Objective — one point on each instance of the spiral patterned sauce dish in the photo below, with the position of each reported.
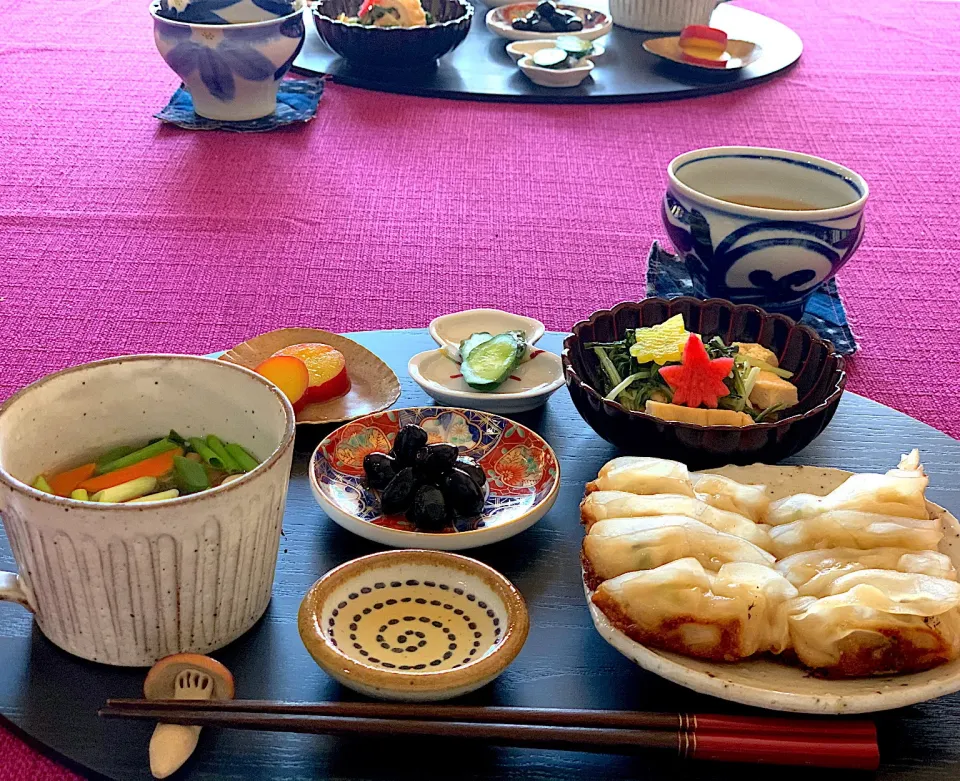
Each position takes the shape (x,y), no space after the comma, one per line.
(413,625)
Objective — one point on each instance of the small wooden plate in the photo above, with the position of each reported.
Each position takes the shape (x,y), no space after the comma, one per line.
(742,54)
(373,386)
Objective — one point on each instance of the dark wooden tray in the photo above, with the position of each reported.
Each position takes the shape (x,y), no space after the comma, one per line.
(51,698)
(481,69)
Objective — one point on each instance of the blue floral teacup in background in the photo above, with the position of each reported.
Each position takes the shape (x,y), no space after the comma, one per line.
(227,11)
(762,226)
(231,71)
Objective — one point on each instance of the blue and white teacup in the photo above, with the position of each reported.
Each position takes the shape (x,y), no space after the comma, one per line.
(227,11)
(231,71)
(762,226)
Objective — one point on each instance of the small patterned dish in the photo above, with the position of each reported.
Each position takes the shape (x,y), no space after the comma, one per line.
(227,11)
(413,625)
(373,385)
(529,387)
(523,475)
(499,21)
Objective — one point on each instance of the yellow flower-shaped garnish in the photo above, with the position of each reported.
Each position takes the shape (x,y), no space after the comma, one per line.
(661,343)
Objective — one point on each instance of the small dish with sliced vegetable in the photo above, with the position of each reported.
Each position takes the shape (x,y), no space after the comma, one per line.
(566,63)
(517,50)
(488,370)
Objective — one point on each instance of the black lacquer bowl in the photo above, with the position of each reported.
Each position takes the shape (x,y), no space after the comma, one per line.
(393,47)
(818,375)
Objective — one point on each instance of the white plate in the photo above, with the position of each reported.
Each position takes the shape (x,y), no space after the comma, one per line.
(536,380)
(769,684)
(449,330)
(497,23)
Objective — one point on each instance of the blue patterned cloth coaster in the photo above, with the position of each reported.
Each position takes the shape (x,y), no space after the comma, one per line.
(667,276)
(297,101)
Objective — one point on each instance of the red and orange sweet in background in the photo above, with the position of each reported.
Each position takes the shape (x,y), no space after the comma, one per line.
(702,45)
(307,373)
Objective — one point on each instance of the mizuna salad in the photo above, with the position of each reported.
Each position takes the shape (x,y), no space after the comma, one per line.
(673,374)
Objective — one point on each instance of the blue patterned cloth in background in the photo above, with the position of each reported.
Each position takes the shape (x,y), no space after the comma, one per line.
(297,101)
(667,277)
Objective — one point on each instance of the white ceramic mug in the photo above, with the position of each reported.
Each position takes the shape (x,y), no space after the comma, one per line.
(661,16)
(127,584)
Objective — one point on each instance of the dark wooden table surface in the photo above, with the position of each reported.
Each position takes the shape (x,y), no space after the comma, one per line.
(481,69)
(51,698)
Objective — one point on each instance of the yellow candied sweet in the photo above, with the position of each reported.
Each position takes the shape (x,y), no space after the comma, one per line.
(661,343)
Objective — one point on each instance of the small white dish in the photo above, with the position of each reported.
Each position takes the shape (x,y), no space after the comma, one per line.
(532,383)
(126,584)
(499,22)
(518,49)
(765,683)
(449,330)
(555,77)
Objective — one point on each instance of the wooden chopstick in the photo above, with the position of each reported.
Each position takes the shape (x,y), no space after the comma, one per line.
(560,717)
(771,746)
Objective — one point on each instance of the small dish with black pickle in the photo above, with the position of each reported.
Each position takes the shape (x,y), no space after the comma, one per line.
(441,478)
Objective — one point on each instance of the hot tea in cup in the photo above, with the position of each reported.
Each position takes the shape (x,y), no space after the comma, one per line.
(762,226)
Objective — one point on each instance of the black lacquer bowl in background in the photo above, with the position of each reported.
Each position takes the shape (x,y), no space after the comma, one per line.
(818,375)
(393,47)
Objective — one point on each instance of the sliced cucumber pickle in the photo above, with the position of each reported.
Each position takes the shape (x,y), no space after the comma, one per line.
(573,45)
(472,341)
(491,363)
(549,58)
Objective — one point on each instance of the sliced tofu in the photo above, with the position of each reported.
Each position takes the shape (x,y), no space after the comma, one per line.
(771,389)
(758,352)
(701,417)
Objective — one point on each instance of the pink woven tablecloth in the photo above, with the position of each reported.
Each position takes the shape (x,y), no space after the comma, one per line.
(118,235)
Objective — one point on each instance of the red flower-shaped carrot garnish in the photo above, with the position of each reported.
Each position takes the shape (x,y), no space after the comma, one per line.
(698,380)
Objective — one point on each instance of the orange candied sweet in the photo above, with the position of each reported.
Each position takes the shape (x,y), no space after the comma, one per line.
(704,45)
(288,373)
(327,369)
